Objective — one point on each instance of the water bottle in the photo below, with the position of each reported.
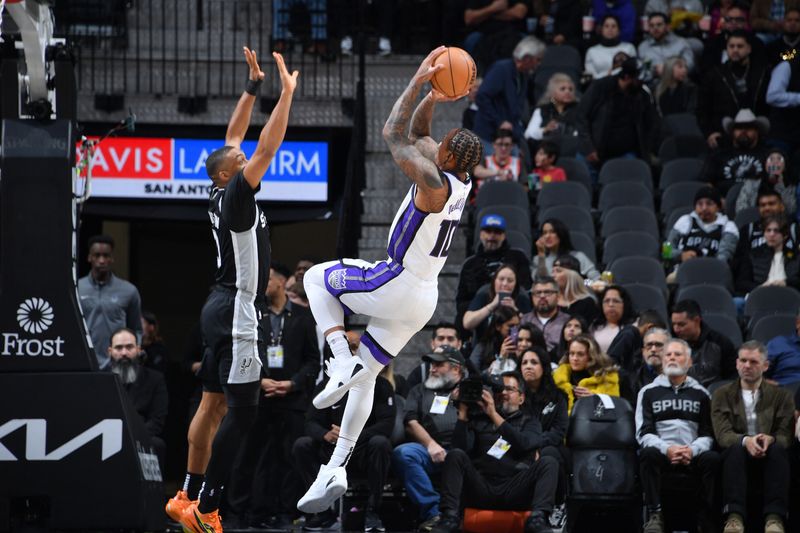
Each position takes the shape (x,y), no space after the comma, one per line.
(666,251)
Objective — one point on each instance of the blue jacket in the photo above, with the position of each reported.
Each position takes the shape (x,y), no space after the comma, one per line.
(502,96)
(784,359)
(623,10)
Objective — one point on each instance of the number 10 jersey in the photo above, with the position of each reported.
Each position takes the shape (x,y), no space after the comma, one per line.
(418,240)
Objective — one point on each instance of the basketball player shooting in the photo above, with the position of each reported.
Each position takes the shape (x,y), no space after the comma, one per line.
(399,294)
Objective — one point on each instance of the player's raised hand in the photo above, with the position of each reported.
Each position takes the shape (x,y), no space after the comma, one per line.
(252,61)
(288,81)
(427,69)
(437,96)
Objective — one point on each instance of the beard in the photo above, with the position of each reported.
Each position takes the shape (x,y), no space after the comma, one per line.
(674,371)
(126,369)
(742,143)
(509,408)
(439,382)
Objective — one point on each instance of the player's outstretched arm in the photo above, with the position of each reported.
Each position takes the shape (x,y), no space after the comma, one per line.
(412,161)
(275,129)
(240,119)
(420,134)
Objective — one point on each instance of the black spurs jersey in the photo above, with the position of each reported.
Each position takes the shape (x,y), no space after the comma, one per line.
(241,236)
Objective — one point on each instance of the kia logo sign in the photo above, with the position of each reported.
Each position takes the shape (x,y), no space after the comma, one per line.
(109,430)
(35,315)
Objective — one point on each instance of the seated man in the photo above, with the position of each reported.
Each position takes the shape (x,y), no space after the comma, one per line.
(705,232)
(713,354)
(430,419)
(784,357)
(371,455)
(146,387)
(650,365)
(444,334)
(546,316)
(494,463)
(753,422)
(742,151)
(673,427)
(770,203)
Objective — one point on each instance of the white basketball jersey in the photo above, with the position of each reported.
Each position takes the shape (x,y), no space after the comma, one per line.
(418,240)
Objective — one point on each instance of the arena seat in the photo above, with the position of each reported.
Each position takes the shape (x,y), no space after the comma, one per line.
(584,243)
(624,193)
(501,193)
(564,193)
(710,298)
(770,326)
(628,219)
(489,521)
(625,169)
(645,270)
(576,171)
(575,218)
(646,297)
(629,244)
(677,146)
(726,325)
(680,170)
(679,195)
(705,270)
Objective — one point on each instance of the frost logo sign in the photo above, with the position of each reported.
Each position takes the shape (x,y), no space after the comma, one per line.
(34,316)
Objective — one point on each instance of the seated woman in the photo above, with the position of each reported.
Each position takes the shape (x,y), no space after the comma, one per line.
(497,342)
(572,328)
(574,296)
(555,242)
(614,330)
(600,57)
(529,337)
(772,263)
(555,117)
(549,404)
(675,92)
(586,371)
(503,289)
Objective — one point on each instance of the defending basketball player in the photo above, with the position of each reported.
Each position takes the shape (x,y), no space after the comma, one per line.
(400,293)
(231,368)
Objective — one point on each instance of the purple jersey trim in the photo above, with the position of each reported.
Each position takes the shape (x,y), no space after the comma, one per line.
(406,229)
(343,279)
(377,351)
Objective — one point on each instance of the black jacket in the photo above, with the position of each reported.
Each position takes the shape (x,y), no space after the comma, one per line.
(727,166)
(712,51)
(149,397)
(713,357)
(553,417)
(477,270)
(625,345)
(520,429)
(380,421)
(596,113)
(300,357)
(753,269)
(718,98)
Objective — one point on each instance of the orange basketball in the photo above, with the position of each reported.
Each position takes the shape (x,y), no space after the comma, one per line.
(458,74)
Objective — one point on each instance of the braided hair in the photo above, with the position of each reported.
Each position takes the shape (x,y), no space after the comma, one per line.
(467,149)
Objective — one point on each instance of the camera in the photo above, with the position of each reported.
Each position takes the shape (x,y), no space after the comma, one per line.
(471,389)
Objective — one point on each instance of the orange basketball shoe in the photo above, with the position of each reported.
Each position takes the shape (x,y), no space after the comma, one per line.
(194,520)
(177,504)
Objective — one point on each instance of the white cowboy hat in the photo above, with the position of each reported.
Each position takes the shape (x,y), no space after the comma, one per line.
(745,117)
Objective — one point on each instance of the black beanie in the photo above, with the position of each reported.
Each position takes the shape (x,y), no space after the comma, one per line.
(711,193)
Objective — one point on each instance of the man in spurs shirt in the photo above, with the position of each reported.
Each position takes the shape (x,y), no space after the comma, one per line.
(399,294)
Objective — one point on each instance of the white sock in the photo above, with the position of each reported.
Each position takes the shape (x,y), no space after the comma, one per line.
(356,413)
(338,343)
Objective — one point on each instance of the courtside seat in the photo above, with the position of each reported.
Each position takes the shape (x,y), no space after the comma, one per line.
(489,521)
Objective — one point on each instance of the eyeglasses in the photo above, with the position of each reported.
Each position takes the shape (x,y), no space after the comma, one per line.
(740,20)
(544,294)
(612,301)
(654,345)
(509,388)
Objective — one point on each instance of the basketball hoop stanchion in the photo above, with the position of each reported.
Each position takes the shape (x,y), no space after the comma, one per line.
(74,454)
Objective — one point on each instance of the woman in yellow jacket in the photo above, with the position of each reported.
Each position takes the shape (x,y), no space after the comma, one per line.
(585,370)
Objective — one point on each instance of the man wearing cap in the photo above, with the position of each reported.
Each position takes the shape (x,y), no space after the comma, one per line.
(744,154)
(619,115)
(430,418)
(493,251)
(738,83)
(706,231)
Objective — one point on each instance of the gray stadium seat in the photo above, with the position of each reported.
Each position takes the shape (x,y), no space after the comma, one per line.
(705,270)
(679,195)
(746,216)
(680,170)
(584,243)
(710,298)
(624,169)
(642,270)
(725,325)
(624,193)
(630,219)
(575,218)
(682,124)
(771,300)
(676,146)
(517,239)
(576,171)
(629,244)
(770,326)
(501,193)
(647,297)
(564,193)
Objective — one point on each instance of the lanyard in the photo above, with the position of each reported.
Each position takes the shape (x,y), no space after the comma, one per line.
(272,341)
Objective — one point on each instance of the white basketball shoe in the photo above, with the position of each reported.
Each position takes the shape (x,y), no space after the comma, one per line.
(330,484)
(343,374)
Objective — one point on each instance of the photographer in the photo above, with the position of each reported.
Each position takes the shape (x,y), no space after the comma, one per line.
(494,463)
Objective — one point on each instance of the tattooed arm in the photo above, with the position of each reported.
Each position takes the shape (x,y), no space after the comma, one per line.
(420,134)
(413,162)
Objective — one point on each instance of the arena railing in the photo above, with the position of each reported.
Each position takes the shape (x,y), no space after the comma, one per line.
(192,48)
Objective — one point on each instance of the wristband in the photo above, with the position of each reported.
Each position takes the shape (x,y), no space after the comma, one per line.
(252,86)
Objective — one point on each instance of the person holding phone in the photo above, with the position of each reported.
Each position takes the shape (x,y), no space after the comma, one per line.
(496,343)
(504,289)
